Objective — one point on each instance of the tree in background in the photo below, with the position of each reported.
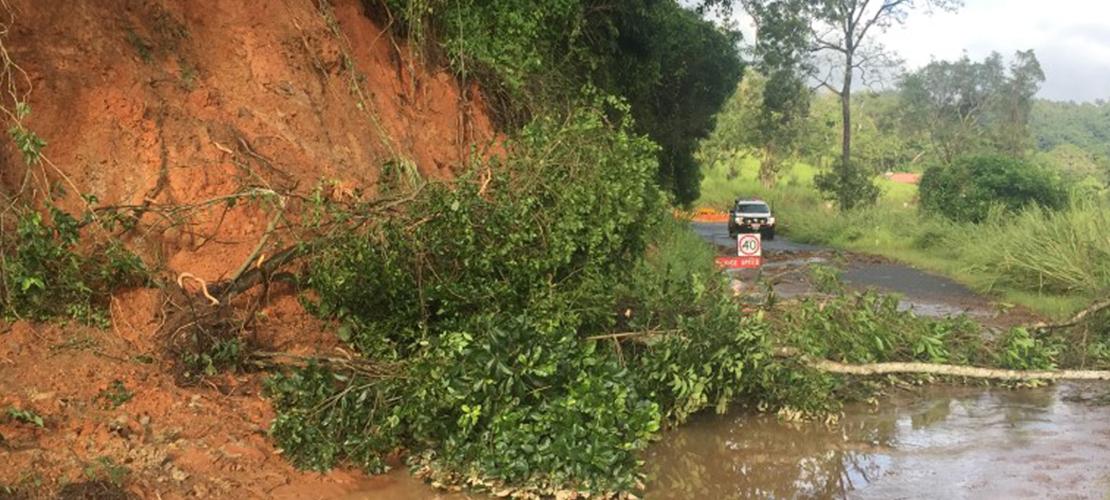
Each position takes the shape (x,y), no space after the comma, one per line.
(769,110)
(781,48)
(674,68)
(1026,77)
(843,39)
(966,107)
(845,32)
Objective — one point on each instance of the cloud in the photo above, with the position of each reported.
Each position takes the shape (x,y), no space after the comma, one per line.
(1070,37)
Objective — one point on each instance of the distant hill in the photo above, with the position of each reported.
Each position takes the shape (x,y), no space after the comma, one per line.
(1086,125)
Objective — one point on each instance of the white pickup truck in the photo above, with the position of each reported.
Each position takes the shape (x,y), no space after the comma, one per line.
(751,216)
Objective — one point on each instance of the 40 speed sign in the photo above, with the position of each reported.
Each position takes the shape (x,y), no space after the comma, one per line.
(749,253)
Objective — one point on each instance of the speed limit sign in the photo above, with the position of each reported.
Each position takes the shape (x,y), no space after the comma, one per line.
(749,245)
(749,251)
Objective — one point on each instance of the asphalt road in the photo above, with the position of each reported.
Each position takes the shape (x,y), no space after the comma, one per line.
(926,293)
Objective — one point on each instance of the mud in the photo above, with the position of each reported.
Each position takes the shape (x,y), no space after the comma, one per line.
(942,442)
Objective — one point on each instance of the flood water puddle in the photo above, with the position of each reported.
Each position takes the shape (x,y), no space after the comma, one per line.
(941,442)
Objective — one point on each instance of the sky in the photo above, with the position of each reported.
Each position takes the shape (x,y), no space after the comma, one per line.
(1070,37)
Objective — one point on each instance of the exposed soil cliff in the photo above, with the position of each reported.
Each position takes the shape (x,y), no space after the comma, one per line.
(178,102)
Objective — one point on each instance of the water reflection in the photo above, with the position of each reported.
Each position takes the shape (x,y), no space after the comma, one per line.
(942,439)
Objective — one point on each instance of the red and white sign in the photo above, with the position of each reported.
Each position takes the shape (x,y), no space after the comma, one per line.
(749,251)
(739,262)
(749,245)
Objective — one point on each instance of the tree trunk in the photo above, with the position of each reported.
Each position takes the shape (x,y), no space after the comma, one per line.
(768,168)
(846,112)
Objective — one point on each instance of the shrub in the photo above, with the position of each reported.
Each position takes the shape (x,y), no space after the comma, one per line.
(850,186)
(45,276)
(968,189)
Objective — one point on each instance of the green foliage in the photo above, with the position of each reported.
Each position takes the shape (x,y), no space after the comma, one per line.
(1045,251)
(676,70)
(106,469)
(708,354)
(25,416)
(324,417)
(1020,350)
(569,208)
(525,402)
(868,327)
(211,355)
(673,68)
(28,143)
(483,304)
(825,278)
(968,189)
(115,394)
(848,184)
(44,275)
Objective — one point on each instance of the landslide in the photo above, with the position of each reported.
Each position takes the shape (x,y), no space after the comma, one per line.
(180,101)
(174,102)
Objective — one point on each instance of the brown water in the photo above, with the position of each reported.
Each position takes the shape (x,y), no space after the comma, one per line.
(937,442)
(943,442)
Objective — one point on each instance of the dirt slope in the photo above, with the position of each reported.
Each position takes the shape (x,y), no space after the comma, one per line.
(181,101)
(184,100)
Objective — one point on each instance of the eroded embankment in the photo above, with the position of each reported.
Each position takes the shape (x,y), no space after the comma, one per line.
(178,103)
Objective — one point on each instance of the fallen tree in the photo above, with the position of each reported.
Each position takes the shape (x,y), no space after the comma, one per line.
(919,368)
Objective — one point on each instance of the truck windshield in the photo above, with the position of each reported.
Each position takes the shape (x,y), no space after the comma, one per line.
(754,208)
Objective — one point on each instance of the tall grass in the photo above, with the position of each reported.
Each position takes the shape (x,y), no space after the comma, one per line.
(1041,250)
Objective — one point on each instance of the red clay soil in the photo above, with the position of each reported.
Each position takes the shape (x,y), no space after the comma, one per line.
(905,177)
(177,102)
(708,215)
(174,442)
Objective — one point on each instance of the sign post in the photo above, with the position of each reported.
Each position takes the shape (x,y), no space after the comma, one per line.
(749,253)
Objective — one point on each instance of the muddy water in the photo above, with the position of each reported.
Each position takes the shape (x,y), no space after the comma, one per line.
(937,442)
(944,442)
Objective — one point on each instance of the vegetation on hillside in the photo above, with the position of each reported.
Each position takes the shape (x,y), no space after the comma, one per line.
(672,67)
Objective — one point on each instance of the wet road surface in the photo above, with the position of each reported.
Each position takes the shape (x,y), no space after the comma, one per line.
(945,443)
(927,294)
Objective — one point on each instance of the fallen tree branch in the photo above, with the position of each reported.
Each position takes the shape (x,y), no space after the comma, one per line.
(623,335)
(827,366)
(342,362)
(1094,308)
